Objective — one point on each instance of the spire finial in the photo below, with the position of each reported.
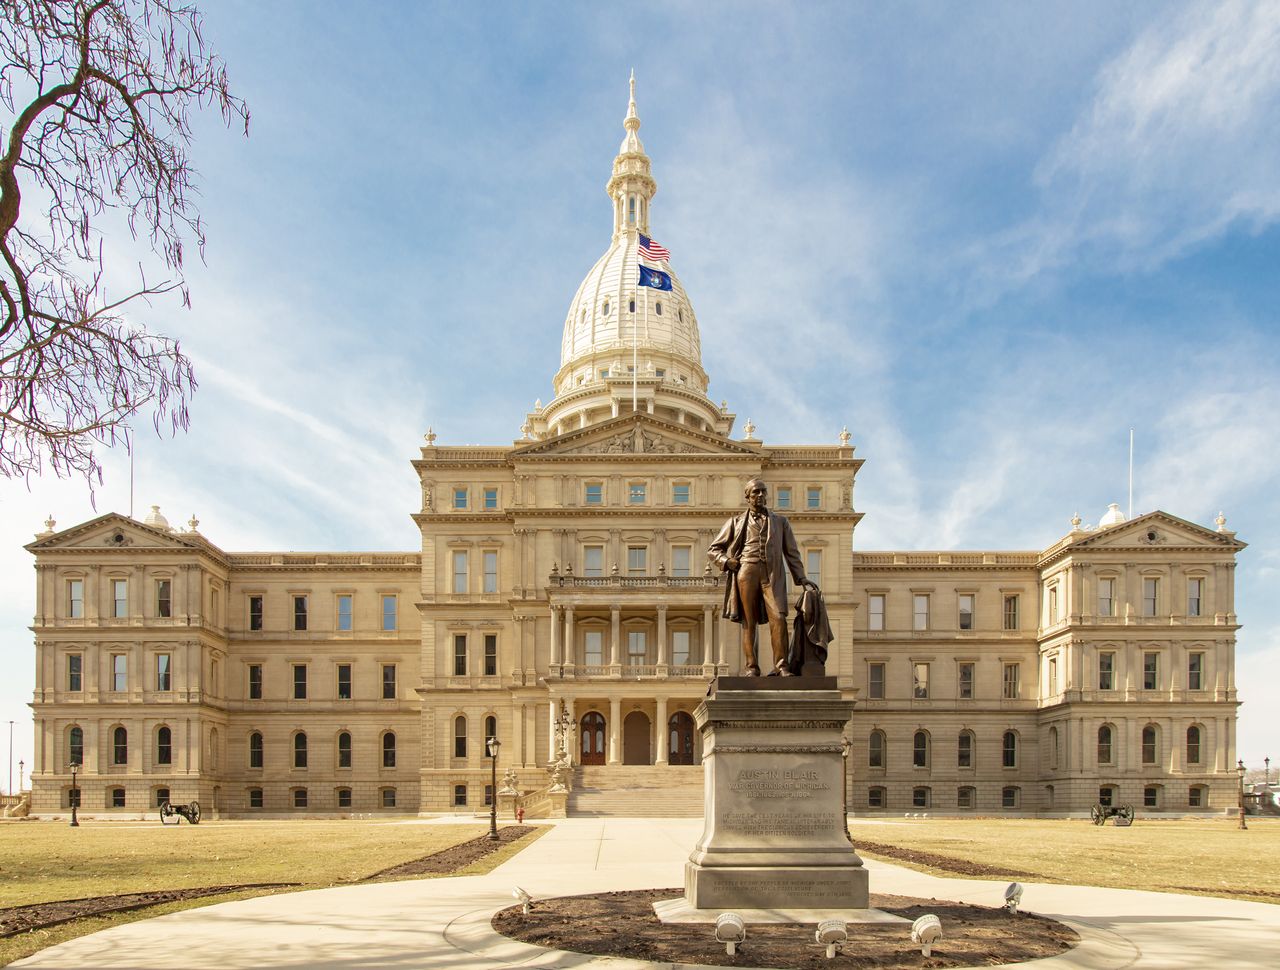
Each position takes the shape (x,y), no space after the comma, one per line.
(632,120)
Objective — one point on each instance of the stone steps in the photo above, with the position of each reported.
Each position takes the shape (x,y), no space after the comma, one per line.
(648,791)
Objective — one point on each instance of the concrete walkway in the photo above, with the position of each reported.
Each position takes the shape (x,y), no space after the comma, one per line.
(444,923)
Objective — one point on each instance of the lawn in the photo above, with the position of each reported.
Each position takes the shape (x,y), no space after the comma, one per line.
(1209,856)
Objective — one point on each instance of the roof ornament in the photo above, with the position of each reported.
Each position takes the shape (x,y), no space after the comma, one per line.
(1220,521)
(845,437)
(193,524)
(1113,517)
(156,520)
(631,141)
(50,524)
(1075,522)
(430,436)
(749,431)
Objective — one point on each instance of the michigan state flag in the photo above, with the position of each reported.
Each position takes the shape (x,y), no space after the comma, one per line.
(655,278)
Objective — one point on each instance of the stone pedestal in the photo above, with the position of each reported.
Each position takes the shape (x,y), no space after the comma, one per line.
(774,834)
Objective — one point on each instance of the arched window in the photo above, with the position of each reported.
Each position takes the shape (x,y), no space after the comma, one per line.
(343,796)
(1010,796)
(459,737)
(1053,748)
(75,746)
(300,750)
(389,749)
(875,750)
(966,797)
(1009,747)
(605,308)
(658,307)
(255,750)
(632,305)
(920,750)
(1104,744)
(164,746)
(921,797)
(299,798)
(877,797)
(1193,745)
(964,750)
(119,746)
(344,749)
(1149,744)
(490,731)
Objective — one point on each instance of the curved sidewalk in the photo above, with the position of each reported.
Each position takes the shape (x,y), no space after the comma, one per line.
(443,923)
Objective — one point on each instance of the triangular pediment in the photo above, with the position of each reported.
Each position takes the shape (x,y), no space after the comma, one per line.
(636,435)
(115,531)
(1158,530)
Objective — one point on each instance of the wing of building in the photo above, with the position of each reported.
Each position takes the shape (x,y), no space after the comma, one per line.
(562,596)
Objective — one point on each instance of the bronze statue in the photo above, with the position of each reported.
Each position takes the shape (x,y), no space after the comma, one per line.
(755,547)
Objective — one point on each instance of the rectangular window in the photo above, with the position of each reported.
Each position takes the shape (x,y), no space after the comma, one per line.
(783,498)
(875,611)
(1009,797)
(966,611)
(1195,671)
(1151,797)
(388,798)
(637,560)
(1150,596)
(1010,681)
(459,655)
(299,612)
(637,647)
(255,682)
(117,798)
(1053,677)
(344,682)
(388,682)
(593,561)
(460,498)
(1194,797)
(680,493)
(1011,612)
(1053,605)
(920,611)
(490,499)
(813,565)
(964,798)
(875,798)
(389,606)
(594,493)
(813,497)
(299,681)
(920,681)
(875,681)
(255,612)
(965,674)
(344,612)
(490,562)
(491,655)
(164,598)
(120,598)
(1106,597)
(75,599)
(593,647)
(459,572)
(681,560)
(964,750)
(459,796)
(255,797)
(488,795)
(1195,592)
(299,798)
(164,672)
(119,672)
(1106,671)
(680,647)
(636,493)
(75,671)
(1150,671)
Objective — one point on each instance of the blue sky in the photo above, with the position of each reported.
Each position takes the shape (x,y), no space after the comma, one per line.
(990,243)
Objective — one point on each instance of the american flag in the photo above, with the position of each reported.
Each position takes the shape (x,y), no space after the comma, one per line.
(652,249)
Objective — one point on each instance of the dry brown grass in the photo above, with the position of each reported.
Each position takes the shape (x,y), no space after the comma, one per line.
(1204,856)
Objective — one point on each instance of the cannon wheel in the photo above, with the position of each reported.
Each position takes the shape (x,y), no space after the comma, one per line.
(1098,814)
(1124,815)
(193,812)
(166,811)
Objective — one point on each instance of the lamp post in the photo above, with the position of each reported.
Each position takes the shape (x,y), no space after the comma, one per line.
(1266,773)
(845,745)
(75,794)
(21,764)
(1240,772)
(10,788)
(493,745)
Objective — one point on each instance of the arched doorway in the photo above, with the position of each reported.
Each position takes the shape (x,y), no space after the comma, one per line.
(680,739)
(591,734)
(635,739)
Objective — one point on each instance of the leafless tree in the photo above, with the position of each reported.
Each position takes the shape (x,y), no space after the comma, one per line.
(100,94)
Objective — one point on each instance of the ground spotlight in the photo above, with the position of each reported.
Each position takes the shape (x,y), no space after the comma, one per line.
(731,931)
(831,933)
(526,901)
(1013,896)
(926,931)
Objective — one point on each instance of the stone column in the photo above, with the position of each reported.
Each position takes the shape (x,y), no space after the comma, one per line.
(660,723)
(708,637)
(571,746)
(615,730)
(615,635)
(551,733)
(555,638)
(662,636)
(569,647)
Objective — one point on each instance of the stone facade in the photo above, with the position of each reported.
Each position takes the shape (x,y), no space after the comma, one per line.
(565,575)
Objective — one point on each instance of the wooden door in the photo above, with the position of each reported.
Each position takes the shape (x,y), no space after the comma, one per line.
(591,731)
(680,739)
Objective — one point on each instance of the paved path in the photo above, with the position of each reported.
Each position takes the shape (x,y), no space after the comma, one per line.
(443,923)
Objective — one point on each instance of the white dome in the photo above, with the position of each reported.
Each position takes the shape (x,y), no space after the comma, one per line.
(1113,517)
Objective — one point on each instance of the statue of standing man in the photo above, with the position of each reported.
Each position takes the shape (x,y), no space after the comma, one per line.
(755,549)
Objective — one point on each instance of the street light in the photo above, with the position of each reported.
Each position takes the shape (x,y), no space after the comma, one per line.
(1266,775)
(493,745)
(845,745)
(75,794)
(21,764)
(1240,772)
(10,788)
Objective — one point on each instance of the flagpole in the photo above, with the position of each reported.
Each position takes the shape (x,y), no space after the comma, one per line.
(635,373)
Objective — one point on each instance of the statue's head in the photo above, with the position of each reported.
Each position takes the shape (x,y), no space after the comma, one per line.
(756,493)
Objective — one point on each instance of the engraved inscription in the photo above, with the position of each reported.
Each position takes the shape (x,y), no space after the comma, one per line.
(789,823)
(778,782)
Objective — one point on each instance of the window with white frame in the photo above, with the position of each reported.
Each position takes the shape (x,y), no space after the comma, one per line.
(875,680)
(1011,612)
(344,612)
(1009,749)
(920,681)
(1107,670)
(75,672)
(593,561)
(1195,596)
(1150,595)
(782,497)
(875,750)
(299,682)
(966,611)
(637,560)
(119,598)
(343,679)
(459,655)
(300,613)
(490,499)
(920,611)
(680,493)
(680,641)
(593,493)
(459,571)
(1106,596)
(1150,745)
(964,750)
(593,647)
(813,497)
(1151,671)
(119,672)
(388,682)
(964,678)
(636,493)
(164,598)
(491,655)
(255,612)
(389,610)
(164,672)
(1010,681)
(637,647)
(682,561)
(460,497)
(1195,671)
(813,565)
(875,611)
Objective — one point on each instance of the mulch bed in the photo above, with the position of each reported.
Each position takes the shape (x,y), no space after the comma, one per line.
(456,857)
(624,925)
(960,866)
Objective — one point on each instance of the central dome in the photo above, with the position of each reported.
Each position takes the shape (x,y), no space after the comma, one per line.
(628,347)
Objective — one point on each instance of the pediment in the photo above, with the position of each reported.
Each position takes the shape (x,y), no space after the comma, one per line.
(637,434)
(1157,530)
(115,531)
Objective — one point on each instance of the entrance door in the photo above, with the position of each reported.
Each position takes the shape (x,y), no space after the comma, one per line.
(591,732)
(680,739)
(636,744)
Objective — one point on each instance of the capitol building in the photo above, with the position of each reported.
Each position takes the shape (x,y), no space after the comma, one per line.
(562,594)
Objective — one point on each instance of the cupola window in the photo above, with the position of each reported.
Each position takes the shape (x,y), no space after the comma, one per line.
(658,307)
(632,306)
(631,210)
(605,309)
(680,315)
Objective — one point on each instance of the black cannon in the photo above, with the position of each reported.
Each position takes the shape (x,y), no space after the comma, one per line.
(1123,814)
(189,811)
